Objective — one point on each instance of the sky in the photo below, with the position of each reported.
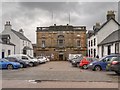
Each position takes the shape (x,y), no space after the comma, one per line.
(29,15)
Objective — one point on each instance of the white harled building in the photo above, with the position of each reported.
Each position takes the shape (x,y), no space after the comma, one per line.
(99,33)
(22,44)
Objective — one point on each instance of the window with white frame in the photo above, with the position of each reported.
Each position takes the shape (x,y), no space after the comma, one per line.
(117,48)
(94,41)
(43,43)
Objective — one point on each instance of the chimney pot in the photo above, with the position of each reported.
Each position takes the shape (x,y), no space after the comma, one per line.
(110,14)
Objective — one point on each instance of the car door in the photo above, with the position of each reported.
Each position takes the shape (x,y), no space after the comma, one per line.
(3,64)
(103,64)
(106,60)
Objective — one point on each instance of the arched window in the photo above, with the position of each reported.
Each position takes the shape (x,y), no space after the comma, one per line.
(60,41)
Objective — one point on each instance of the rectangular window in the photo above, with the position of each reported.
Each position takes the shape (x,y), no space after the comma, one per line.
(23,43)
(94,41)
(91,43)
(102,51)
(117,48)
(60,43)
(94,52)
(89,53)
(43,43)
(78,43)
(9,52)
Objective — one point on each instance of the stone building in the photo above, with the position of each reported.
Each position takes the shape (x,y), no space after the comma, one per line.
(59,41)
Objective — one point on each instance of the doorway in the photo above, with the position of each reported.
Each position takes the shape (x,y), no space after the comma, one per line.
(109,49)
(61,57)
(3,54)
(24,52)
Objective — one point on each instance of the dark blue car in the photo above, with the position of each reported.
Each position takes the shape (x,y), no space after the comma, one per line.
(5,64)
(102,63)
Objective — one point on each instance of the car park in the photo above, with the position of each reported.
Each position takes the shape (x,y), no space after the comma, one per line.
(5,64)
(75,62)
(23,64)
(32,62)
(102,63)
(85,61)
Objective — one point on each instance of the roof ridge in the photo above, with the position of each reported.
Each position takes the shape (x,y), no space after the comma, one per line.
(20,35)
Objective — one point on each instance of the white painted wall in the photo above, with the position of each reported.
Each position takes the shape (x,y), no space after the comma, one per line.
(17,41)
(5,48)
(110,27)
(26,43)
(92,47)
(106,49)
(14,39)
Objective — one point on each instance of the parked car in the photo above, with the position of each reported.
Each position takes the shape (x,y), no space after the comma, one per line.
(75,62)
(72,56)
(23,64)
(85,61)
(114,65)
(32,62)
(41,59)
(102,63)
(47,59)
(5,64)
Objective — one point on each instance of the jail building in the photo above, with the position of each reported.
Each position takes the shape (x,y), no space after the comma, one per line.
(58,41)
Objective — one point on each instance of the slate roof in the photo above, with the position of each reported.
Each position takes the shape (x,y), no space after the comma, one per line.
(97,30)
(20,35)
(113,37)
(5,36)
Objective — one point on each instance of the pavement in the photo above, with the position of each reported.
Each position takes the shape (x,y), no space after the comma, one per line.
(58,74)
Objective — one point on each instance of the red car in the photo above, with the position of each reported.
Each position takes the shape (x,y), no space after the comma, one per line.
(85,61)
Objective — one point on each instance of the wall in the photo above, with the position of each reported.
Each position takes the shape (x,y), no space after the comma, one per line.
(92,47)
(110,27)
(14,39)
(5,49)
(70,38)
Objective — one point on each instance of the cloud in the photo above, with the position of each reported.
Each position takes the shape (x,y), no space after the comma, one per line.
(29,15)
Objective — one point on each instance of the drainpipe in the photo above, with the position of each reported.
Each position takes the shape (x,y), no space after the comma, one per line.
(14,49)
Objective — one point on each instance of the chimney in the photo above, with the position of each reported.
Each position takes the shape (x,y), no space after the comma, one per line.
(97,26)
(21,31)
(110,14)
(54,24)
(8,25)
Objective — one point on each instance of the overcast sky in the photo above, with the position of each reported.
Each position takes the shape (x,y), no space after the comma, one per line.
(29,15)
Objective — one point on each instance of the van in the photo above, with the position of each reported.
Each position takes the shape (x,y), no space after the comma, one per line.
(32,61)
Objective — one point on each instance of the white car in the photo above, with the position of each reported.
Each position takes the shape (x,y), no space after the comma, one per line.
(32,61)
(42,59)
(47,59)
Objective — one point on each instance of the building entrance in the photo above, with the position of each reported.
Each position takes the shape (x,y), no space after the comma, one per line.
(61,57)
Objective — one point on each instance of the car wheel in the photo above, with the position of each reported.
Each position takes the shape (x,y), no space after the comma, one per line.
(21,65)
(84,66)
(31,64)
(10,67)
(78,65)
(97,68)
